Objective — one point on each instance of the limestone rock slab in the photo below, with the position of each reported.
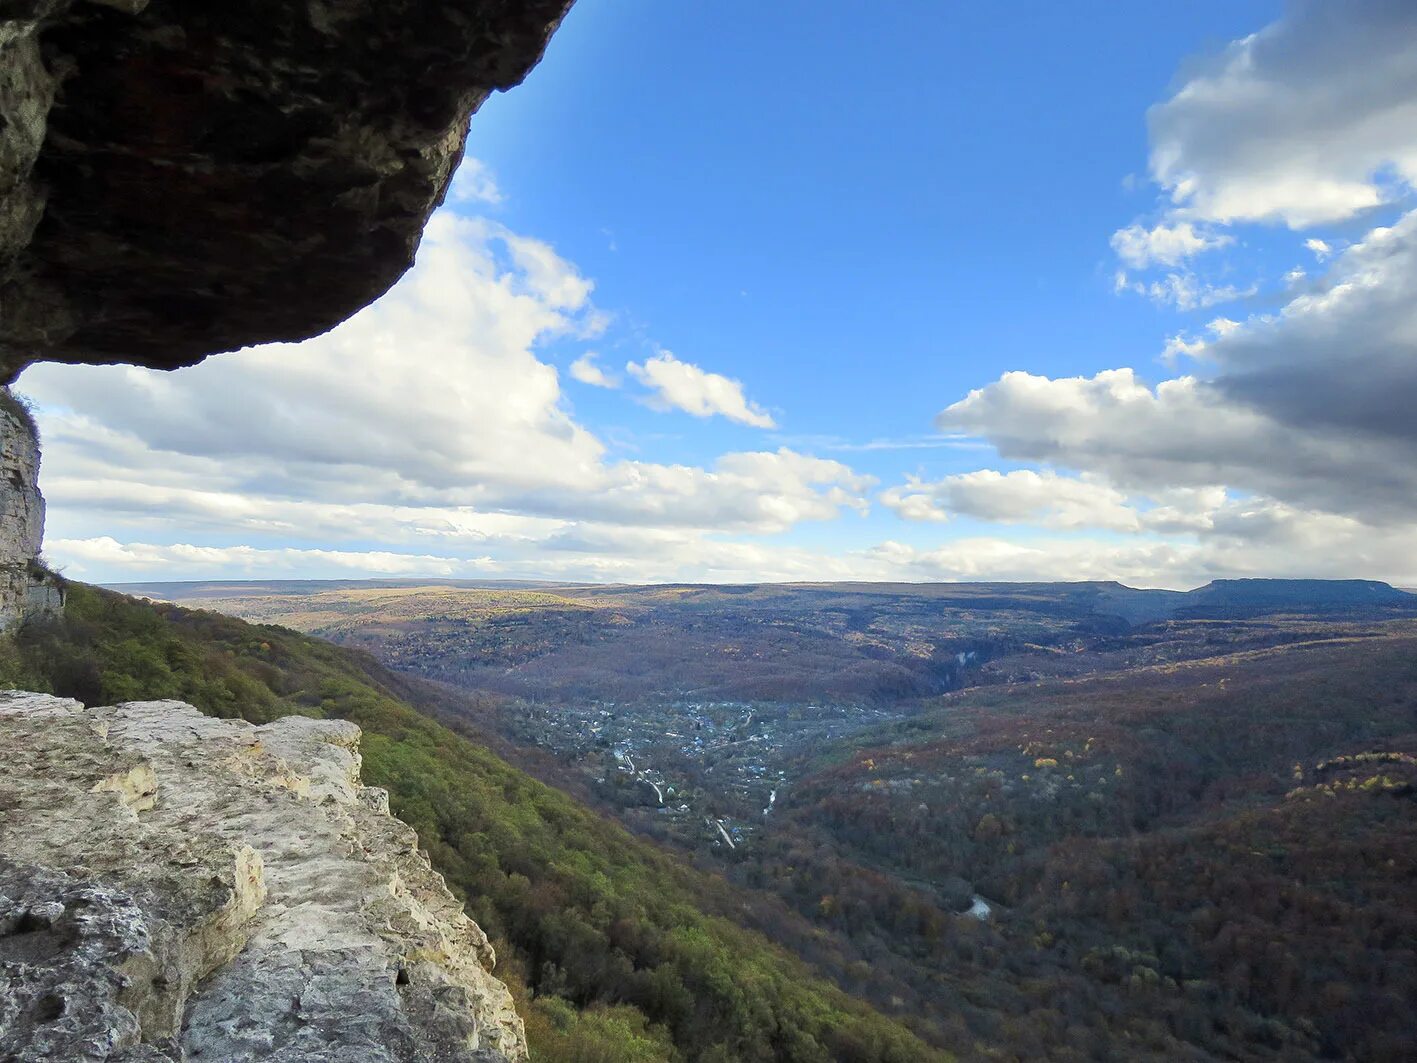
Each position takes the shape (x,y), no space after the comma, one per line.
(179,887)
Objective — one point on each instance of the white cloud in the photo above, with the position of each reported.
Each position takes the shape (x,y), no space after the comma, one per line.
(684,386)
(1311,120)
(587,371)
(1254,538)
(473,183)
(1251,537)
(1296,452)
(172,561)
(1183,432)
(1339,359)
(1320,248)
(1166,245)
(761,492)
(433,393)
(1044,560)
(1184,291)
(1196,347)
(429,417)
(1019,497)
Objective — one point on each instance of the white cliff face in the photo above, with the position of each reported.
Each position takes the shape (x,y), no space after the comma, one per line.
(24,589)
(178,887)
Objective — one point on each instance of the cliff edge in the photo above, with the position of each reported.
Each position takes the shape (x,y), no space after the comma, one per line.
(179,887)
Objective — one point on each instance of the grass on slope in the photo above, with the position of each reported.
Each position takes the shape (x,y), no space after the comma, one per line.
(600,934)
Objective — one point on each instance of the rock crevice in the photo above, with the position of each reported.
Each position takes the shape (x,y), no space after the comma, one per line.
(179,887)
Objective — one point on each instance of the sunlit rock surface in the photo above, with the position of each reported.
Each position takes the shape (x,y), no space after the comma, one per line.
(178,887)
(180,178)
(25,588)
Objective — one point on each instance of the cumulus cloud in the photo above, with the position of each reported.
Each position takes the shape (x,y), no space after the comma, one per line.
(684,386)
(762,492)
(1249,539)
(1341,358)
(1166,245)
(433,397)
(1245,538)
(425,393)
(1311,120)
(587,371)
(1312,403)
(1321,248)
(474,183)
(429,417)
(1019,497)
(1301,416)
(1184,432)
(1047,499)
(1295,455)
(1195,347)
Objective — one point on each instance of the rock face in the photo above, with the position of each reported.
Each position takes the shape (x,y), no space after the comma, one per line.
(181,178)
(178,887)
(25,588)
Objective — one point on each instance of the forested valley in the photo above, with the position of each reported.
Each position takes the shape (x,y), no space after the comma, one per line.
(1031,822)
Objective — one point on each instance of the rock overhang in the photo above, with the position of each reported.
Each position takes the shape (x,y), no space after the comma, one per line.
(180,179)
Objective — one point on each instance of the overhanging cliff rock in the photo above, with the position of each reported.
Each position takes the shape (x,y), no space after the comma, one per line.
(179,178)
(174,886)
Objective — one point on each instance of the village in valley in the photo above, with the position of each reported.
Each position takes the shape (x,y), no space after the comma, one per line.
(704,772)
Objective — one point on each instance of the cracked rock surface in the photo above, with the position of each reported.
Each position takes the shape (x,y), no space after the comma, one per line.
(179,887)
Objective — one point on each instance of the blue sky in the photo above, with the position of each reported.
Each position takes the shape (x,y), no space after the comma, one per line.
(924,196)
(861,216)
(792,235)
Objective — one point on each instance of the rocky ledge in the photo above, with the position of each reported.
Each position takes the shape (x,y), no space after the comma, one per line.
(179,887)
